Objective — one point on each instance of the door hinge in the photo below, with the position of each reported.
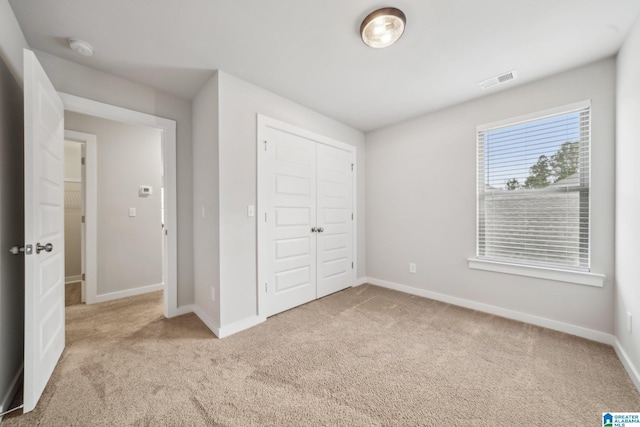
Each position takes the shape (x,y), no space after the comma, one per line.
(83,161)
(351,216)
(265,217)
(265,145)
(83,276)
(351,265)
(83,219)
(266,287)
(352,165)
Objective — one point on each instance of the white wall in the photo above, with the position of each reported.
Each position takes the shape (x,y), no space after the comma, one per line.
(627,298)
(206,229)
(240,102)
(11,233)
(421,201)
(85,82)
(12,42)
(129,248)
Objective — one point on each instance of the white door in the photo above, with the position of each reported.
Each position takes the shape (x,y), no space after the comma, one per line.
(335,220)
(44,229)
(290,215)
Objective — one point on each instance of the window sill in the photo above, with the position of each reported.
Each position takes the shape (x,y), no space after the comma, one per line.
(578,277)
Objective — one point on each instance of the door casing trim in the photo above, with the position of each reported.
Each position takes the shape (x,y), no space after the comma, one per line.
(168,138)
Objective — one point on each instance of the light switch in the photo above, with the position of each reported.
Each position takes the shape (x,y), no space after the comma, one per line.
(251,210)
(132,212)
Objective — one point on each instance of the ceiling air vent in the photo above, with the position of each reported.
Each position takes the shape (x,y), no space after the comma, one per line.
(502,78)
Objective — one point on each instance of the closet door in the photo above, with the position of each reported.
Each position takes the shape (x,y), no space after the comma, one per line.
(290,186)
(335,208)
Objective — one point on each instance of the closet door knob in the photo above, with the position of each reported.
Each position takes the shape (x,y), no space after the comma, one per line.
(314,230)
(320,229)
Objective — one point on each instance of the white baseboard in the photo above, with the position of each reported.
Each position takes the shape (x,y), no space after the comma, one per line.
(128,293)
(225,331)
(590,334)
(360,281)
(240,325)
(207,320)
(633,371)
(11,392)
(183,309)
(72,279)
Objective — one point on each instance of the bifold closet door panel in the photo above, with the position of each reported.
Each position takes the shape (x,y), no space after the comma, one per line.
(335,208)
(291,214)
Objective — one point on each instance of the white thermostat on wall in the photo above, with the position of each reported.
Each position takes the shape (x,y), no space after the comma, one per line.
(145,190)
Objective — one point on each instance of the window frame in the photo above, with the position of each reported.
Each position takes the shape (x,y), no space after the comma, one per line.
(534,268)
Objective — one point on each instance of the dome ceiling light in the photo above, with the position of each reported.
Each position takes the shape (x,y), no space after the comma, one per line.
(383,27)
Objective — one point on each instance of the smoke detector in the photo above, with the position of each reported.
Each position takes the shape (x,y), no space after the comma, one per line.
(498,80)
(80,46)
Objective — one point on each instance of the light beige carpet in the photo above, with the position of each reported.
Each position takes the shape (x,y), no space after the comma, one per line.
(364,356)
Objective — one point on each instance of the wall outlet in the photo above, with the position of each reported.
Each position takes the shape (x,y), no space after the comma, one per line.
(213,293)
(412,267)
(629,318)
(132,212)
(251,210)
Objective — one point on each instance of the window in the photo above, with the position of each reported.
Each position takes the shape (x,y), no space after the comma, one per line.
(533,189)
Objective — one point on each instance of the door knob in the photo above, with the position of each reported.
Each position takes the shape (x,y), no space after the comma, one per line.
(314,230)
(27,249)
(320,229)
(47,248)
(16,249)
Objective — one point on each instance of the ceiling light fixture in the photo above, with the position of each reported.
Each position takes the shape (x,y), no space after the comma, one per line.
(383,27)
(80,46)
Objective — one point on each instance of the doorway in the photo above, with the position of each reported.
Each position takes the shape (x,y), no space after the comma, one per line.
(80,161)
(74,196)
(129,215)
(145,194)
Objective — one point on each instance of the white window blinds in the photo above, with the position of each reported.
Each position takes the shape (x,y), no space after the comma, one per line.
(533,189)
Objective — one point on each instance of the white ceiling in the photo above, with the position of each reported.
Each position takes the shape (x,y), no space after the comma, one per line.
(310,51)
